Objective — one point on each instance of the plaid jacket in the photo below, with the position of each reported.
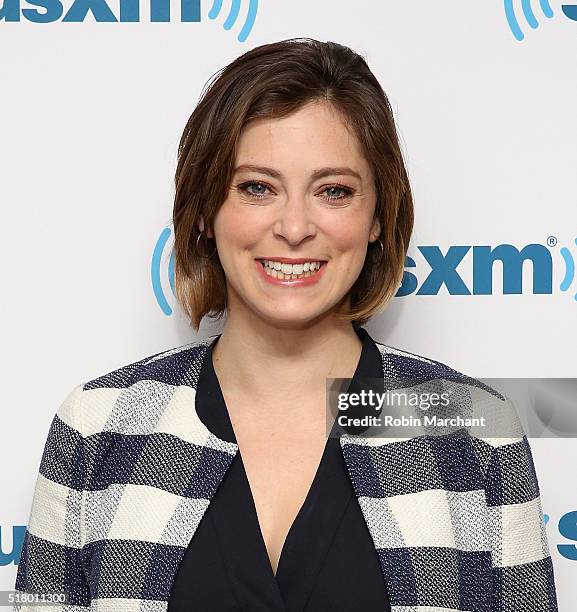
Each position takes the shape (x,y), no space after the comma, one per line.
(129,469)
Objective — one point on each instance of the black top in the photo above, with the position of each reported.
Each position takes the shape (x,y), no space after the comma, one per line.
(328,561)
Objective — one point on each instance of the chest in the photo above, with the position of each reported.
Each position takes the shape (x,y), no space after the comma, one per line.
(281,453)
(147,495)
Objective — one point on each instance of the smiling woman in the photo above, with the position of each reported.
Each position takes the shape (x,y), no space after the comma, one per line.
(212,476)
(308,153)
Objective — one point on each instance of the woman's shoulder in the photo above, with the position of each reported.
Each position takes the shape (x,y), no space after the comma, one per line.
(402,355)
(469,396)
(168,366)
(406,365)
(132,397)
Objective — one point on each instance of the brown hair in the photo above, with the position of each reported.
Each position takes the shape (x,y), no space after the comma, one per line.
(273,81)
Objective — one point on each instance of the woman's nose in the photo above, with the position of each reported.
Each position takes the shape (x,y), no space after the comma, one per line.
(295,222)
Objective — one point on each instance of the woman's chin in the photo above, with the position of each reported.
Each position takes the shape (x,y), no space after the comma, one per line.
(291,318)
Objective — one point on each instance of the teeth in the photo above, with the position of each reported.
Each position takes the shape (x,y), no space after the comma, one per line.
(280,270)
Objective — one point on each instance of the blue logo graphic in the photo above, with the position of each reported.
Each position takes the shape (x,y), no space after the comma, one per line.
(569,268)
(528,13)
(569,10)
(233,16)
(48,11)
(568,529)
(443,270)
(156,268)
(18,532)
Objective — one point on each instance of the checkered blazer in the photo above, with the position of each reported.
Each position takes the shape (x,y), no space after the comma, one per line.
(129,469)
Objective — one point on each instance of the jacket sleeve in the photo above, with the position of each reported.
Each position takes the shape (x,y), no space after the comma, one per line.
(522,568)
(50,560)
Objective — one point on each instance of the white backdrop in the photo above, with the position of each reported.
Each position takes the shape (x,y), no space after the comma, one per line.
(91,116)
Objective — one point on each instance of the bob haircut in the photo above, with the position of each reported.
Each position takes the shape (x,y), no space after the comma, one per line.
(273,81)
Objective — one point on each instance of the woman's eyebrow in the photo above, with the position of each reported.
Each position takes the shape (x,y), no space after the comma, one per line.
(320,173)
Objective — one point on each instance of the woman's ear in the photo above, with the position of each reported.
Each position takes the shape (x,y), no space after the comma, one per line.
(201,227)
(375,230)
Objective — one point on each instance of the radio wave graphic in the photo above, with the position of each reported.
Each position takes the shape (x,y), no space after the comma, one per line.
(156,268)
(569,269)
(528,13)
(233,16)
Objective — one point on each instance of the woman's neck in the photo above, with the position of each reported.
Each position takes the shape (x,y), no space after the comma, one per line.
(260,360)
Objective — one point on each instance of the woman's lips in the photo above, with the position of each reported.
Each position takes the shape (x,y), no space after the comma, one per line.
(297,282)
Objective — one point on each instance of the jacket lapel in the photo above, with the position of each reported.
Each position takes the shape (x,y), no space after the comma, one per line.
(423,502)
(152,470)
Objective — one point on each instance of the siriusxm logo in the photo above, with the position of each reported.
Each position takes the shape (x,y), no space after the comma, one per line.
(49,11)
(442,270)
(157,268)
(567,529)
(569,10)
(7,558)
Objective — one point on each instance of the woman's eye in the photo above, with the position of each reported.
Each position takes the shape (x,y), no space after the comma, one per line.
(260,189)
(333,192)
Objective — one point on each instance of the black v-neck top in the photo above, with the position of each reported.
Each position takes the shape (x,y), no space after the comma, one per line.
(328,561)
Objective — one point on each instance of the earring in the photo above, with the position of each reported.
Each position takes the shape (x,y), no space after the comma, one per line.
(382,247)
(197,249)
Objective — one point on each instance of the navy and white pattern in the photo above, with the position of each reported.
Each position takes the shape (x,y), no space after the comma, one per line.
(129,469)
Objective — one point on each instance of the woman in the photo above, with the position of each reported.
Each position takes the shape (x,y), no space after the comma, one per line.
(202,477)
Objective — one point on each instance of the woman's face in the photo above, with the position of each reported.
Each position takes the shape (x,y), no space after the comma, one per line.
(302,191)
